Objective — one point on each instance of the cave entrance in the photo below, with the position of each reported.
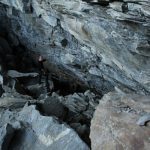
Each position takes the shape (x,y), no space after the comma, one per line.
(67,87)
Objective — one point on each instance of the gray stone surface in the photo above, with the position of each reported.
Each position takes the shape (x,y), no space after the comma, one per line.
(106,46)
(12,99)
(38,132)
(81,103)
(51,106)
(114,125)
(86,45)
(16,74)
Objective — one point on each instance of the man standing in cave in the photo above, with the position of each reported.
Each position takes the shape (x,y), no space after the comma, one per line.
(43,71)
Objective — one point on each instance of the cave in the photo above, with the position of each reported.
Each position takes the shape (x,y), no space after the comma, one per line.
(20,60)
(74,74)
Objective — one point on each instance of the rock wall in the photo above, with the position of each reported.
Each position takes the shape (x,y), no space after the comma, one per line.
(102,46)
(121,122)
(99,45)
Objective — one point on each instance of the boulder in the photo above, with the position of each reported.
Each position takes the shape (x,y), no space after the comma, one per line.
(81,103)
(52,107)
(115,123)
(37,132)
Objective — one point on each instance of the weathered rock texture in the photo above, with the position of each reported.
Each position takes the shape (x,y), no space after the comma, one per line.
(115,123)
(27,129)
(100,46)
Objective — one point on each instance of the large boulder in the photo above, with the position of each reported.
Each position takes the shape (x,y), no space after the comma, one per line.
(37,132)
(115,123)
(81,103)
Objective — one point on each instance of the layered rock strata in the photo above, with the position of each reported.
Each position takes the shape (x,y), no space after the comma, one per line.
(100,46)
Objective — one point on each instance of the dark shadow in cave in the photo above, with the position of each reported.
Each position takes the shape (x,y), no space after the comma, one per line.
(23,62)
(67,87)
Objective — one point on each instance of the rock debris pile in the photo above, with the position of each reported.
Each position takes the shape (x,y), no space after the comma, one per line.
(96,57)
(22,92)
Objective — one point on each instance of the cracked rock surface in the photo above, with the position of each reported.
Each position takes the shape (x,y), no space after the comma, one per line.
(34,131)
(91,48)
(114,125)
(103,46)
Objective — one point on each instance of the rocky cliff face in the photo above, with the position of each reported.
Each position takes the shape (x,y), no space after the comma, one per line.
(89,45)
(103,46)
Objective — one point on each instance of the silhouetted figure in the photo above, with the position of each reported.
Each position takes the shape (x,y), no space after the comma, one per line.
(46,82)
(43,72)
(125,7)
(41,68)
(31,8)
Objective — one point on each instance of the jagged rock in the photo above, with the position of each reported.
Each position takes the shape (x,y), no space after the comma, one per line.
(109,39)
(40,132)
(14,102)
(13,40)
(86,45)
(16,74)
(114,125)
(48,133)
(52,107)
(6,134)
(80,129)
(83,104)
(37,90)
(12,99)
(5,46)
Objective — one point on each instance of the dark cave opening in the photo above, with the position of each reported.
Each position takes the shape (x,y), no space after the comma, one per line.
(67,87)
(21,59)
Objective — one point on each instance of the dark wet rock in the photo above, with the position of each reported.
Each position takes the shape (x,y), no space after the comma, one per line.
(13,40)
(1,90)
(37,90)
(5,46)
(6,134)
(52,107)
(81,103)
(82,130)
